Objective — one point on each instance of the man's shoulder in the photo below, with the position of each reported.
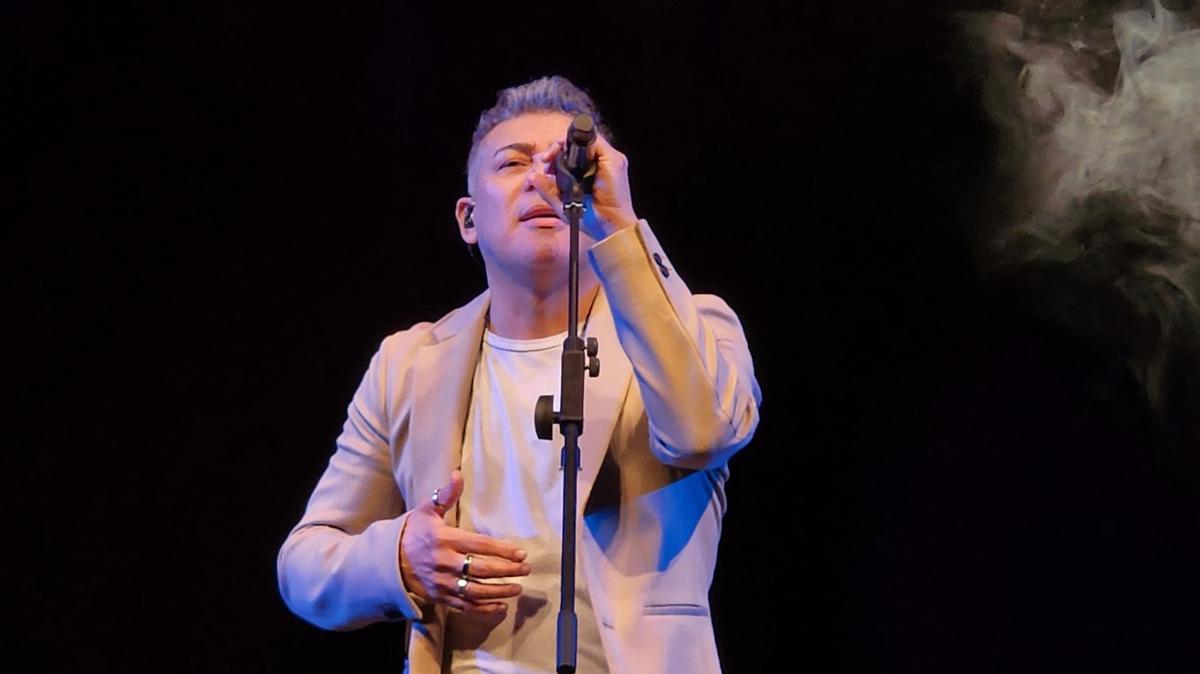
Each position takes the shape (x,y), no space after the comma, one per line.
(407,340)
(404,342)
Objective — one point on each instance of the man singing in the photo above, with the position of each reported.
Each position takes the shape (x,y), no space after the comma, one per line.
(442,507)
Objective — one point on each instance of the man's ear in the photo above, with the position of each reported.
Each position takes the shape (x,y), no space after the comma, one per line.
(463,213)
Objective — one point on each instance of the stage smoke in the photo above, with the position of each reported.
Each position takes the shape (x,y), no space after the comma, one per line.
(1098,108)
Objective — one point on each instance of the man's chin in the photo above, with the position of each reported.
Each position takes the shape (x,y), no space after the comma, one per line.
(549,257)
(550,253)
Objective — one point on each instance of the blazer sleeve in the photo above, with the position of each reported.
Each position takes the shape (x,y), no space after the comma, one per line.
(340,566)
(689,353)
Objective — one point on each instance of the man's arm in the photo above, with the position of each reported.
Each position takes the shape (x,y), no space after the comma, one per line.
(689,353)
(357,557)
(339,567)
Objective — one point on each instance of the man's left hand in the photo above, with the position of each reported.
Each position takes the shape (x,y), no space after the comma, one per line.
(610,208)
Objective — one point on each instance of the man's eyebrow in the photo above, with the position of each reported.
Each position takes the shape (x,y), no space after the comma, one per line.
(527,148)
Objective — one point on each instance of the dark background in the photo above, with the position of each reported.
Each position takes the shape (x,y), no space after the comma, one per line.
(221,208)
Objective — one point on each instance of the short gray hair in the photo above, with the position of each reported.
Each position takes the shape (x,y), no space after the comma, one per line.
(545,94)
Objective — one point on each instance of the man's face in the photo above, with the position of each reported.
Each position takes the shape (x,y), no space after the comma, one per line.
(517,230)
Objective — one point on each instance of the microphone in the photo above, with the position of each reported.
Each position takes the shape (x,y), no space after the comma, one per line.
(576,171)
(580,137)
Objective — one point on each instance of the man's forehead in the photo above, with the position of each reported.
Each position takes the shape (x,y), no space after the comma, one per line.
(536,128)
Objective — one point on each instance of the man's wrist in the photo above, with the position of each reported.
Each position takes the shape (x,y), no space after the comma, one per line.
(607,230)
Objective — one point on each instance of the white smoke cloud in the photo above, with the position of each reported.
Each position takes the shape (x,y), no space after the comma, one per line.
(1099,108)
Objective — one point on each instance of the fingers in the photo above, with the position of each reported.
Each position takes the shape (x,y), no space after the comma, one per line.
(548,156)
(607,155)
(481,566)
(446,497)
(475,597)
(602,146)
(471,542)
(484,592)
(546,186)
(493,567)
(600,150)
(489,608)
(475,591)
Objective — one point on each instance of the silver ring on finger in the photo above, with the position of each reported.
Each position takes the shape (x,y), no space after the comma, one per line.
(435,498)
(466,566)
(461,584)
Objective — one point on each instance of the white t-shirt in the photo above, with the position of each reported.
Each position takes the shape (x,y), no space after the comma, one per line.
(513,491)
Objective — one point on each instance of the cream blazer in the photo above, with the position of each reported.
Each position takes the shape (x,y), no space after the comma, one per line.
(675,399)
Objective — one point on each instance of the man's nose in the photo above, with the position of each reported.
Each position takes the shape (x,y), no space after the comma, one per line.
(537,167)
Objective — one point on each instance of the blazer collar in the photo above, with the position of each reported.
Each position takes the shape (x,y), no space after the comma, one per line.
(468,318)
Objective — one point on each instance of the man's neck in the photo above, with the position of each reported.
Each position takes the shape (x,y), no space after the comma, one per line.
(521,312)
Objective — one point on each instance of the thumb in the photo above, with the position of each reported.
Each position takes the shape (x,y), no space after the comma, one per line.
(448,495)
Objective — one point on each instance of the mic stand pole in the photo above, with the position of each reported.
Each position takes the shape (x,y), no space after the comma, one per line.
(570,415)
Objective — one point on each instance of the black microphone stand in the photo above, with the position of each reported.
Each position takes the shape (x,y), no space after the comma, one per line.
(575,177)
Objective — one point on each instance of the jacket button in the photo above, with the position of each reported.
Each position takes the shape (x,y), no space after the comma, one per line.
(662,267)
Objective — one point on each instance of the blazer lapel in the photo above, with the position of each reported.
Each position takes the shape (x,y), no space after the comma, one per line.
(443,374)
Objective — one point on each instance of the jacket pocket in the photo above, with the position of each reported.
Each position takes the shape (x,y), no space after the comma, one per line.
(675,609)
